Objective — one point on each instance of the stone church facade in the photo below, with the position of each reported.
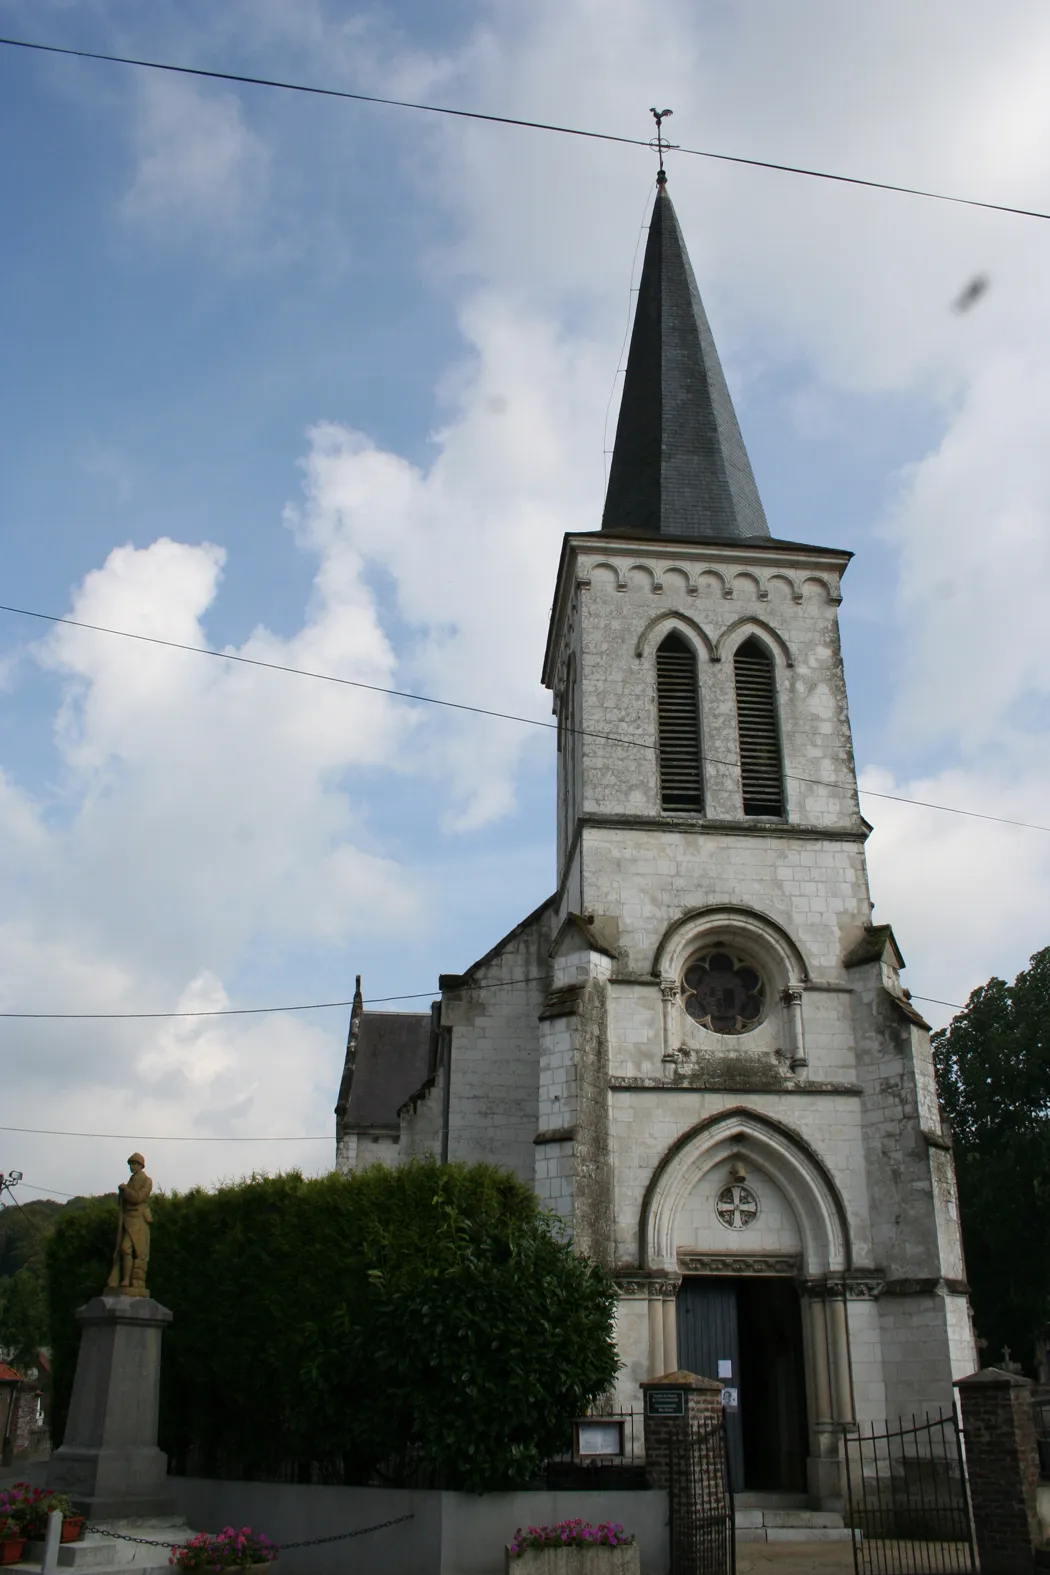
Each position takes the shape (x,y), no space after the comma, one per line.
(698,1050)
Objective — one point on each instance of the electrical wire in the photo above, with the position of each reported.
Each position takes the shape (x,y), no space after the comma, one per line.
(257,1011)
(50,1192)
(326,1137)
(214,1011)
(509,120)
(477,710)
(169,1137)
(309,1006)
(10,1190)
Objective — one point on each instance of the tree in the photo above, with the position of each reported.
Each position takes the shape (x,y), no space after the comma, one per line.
(23,1318)
(427,1322)
(993,1066)
(24,1232)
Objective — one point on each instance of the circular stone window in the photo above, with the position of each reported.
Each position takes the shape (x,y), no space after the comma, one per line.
(736,1207)
(723,992)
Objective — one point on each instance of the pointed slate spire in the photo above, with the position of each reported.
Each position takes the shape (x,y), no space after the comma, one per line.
(679,467)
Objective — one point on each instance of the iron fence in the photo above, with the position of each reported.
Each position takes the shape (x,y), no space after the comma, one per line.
(908,1504)
(702,1514)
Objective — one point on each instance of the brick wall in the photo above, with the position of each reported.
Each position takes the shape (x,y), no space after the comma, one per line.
(1002,1462)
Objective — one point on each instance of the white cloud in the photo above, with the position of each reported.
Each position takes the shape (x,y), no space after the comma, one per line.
(207,811)
(198,164)
(966,898)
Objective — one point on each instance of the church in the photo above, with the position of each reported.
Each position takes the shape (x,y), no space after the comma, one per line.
(698,1050)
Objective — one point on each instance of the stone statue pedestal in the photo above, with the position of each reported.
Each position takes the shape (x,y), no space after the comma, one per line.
(109,1462)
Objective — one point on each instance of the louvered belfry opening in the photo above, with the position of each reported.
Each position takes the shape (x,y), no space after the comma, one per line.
(678,726)
(761,776)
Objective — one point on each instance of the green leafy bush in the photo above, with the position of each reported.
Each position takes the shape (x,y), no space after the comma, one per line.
(426,1322)
(993,1072)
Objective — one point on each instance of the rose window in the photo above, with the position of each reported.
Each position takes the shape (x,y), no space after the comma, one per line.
(723,992)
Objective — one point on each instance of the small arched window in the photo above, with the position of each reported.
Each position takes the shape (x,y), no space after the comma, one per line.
(761,775)
(678,726)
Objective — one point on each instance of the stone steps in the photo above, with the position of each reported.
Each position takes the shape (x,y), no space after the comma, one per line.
(767,1518)
(96,1554)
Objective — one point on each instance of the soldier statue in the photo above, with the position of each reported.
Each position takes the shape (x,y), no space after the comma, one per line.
(131,1254)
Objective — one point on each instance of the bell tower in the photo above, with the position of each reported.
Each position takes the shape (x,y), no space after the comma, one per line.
(735,1090)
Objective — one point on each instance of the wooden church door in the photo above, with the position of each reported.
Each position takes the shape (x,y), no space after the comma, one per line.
(709,1345)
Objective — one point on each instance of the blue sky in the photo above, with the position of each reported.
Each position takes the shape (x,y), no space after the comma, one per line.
(325,383)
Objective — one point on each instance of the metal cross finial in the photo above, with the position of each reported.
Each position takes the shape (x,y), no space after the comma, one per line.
(660,143)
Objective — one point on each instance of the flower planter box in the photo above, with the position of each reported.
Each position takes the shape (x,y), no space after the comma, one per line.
(11,1549)
(625,1560)
(72,1527)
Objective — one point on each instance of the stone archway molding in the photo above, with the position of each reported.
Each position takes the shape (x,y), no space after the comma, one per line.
(791,1162)
(693,927)
(750,625)
(685,624)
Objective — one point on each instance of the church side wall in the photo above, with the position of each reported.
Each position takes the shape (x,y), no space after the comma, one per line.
(421,1121)
(900,1116)
(493,1103)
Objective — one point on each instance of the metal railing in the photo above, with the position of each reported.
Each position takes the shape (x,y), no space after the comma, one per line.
(907,1500)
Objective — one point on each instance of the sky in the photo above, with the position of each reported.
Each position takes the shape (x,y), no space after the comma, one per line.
(324,384)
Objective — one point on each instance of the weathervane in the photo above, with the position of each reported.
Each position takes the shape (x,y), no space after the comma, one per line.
(660,143)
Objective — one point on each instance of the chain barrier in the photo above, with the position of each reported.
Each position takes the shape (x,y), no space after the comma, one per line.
(149,1542)
(341,1536)
(308,1542)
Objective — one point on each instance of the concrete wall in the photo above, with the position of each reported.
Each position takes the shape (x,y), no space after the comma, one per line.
(451,1533)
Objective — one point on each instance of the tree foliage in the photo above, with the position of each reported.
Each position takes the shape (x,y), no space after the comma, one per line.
(23,1318)
(427,1320)
(993,1066)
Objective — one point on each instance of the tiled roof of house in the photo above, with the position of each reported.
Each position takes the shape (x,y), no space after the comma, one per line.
(388,1058)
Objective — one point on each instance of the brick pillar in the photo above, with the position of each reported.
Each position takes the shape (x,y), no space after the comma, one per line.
(1002,1464)
(672,1404)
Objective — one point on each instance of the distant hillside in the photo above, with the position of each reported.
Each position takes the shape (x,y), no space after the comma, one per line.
(24,1231)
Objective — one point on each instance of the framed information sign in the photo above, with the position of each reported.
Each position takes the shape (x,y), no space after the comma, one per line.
(599,1437)
(665,1402)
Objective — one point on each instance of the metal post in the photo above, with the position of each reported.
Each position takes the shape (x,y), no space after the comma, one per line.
(52,1543)
(967,1506)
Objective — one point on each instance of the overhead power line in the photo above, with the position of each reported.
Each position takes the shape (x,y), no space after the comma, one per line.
(316,1006)
(477,710)
(220,1011)
(510,120)
(49,1192)
(169,1137)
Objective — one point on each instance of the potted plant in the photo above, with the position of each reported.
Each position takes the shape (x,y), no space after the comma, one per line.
(72,1520)
(225,1550)
(573,1547)
(12,1529)
(12,1537)
(28,1507)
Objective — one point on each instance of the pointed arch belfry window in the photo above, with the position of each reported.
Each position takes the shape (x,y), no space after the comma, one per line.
(678,726)
(761,773)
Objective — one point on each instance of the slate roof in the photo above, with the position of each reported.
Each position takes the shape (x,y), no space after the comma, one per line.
(679,466)
(388,1056)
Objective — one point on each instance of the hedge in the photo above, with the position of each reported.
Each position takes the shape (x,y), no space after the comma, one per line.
(423,1323)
